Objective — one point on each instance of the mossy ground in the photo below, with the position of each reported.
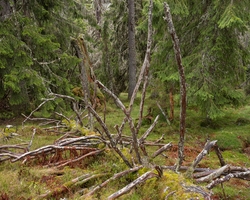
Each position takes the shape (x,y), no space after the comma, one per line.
(24,181)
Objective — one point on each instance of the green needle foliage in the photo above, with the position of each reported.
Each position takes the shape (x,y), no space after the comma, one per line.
(35,54)
(211,35)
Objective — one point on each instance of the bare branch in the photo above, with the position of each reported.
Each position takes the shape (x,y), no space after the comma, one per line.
(130,186)
(116,176)
(214,175)
(227,178)
(162,149)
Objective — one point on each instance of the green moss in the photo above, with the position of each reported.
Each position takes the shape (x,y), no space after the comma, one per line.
(227,140)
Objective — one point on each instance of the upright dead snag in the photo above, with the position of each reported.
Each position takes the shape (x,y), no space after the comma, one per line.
(183,102)
(92,94)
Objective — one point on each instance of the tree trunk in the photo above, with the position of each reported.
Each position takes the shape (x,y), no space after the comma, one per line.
(5,10)
(171,100)
(183,102)
(132,52)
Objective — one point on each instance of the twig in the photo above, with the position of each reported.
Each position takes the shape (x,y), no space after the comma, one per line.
(80,158)
(45,101)
(34,132)
(163,113)
(219,155)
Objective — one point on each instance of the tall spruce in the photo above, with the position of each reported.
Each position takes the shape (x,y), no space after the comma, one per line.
(215,59)
(35,54)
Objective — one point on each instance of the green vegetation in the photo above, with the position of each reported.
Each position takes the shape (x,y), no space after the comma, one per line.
(38,58)
(30,179)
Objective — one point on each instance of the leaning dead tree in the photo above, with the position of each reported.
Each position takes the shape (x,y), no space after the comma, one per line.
(183,101)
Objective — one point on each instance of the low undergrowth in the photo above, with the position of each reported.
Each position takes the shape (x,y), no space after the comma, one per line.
(29,180)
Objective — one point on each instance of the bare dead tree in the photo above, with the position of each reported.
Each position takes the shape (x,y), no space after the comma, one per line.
(183,101)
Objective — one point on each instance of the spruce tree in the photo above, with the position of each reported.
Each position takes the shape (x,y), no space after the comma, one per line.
(214,56)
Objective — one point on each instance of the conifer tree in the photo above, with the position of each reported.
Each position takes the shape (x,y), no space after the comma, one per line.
(215,60)
(35,54)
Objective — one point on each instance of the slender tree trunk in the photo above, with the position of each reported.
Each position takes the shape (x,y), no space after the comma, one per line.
(132,52)
(171,101)
(183,102)
(5,10)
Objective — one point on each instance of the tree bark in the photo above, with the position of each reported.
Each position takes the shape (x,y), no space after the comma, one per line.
(183,101)
(132,51)
(5,10)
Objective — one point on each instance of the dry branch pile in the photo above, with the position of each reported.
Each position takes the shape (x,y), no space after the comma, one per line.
(70,149)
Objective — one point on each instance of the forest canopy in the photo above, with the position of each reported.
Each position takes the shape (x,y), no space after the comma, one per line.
(37,56)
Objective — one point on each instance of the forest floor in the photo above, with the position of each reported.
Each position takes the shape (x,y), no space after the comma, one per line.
(32,179)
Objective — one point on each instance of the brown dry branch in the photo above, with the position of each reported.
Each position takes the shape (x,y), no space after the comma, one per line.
(219,155)
(114,177)
(130,186)
(49,149)
(144,69)
(72,161)
(47,120)
(183,99)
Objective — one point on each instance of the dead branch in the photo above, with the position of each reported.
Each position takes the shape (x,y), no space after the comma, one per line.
(115,176)
(227,178)
(145,135)
(38,107)
(163,113)
(34,132)
(70,185)
(197,189)
(130,186)
(201,155)
(183,100)
(162,149)
(112,142)
(219,155)
(74,103)
(70,162)
(214,174)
